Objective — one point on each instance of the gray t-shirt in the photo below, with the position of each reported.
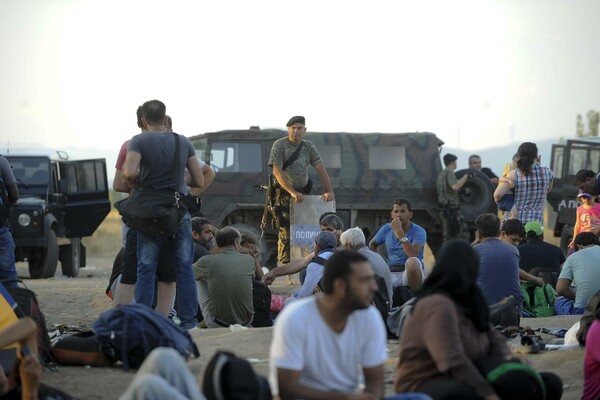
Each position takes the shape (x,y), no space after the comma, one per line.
(297,173)
(582,268)
(158,152)
(6,172)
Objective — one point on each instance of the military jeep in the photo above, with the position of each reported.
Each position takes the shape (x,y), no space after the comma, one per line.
(567,159)
(368,172)
(60,201)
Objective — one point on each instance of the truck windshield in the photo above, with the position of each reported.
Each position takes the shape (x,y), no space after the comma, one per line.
(237,157)
(31,171)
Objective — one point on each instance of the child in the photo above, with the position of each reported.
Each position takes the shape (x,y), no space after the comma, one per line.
(507,202)
(588,216)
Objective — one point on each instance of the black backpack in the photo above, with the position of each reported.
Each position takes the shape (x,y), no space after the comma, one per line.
(261,297)
(228,377)
(4,203)
(381,301)
(129,333)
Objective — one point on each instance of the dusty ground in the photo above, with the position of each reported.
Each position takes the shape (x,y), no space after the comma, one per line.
(79,302)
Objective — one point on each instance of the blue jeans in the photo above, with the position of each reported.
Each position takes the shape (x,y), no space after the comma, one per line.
(148,253)
(564,306)
(7,256)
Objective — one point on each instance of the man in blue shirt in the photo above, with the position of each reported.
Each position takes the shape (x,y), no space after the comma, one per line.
(405,242)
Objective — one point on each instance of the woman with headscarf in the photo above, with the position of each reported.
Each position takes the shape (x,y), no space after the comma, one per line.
(448,330)
(531,183)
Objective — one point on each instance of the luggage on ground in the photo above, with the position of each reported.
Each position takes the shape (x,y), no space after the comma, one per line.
(261,297)
(538,300)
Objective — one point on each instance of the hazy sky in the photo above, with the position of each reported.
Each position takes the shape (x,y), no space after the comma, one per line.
(74,71)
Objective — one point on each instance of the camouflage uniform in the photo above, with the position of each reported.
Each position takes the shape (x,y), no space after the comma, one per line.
(453,222)
(297,175)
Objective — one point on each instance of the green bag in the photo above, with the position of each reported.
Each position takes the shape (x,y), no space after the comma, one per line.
(538,300)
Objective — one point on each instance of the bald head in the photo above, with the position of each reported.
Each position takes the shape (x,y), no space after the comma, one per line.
(228,237)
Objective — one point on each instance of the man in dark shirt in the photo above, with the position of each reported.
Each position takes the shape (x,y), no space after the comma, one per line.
(538,254)
(475,163)
(203,237)
(588,181)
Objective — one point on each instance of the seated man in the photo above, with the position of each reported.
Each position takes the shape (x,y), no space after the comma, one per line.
(539,255)
(354,239)
(582,270)
(513,232)
(498,262)
(202,237)
(319,343)
(405,242)
(225,283)
(325,244)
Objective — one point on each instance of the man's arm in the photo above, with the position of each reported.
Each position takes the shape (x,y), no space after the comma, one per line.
(196,175)
(374,381)
(283,181)
(411,249)
(209,176)
(324,176)
(527,277)
(119,184)
(456,186)
(130,168)
(287,269)
(291,388)
(563,288)
(13,193)
(373,245)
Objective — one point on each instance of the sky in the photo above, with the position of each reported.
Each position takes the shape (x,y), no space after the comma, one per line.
(477,73)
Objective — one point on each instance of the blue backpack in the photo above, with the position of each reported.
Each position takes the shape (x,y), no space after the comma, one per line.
(130,332)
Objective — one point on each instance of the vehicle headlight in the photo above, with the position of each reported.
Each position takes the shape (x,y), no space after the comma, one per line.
(24,219)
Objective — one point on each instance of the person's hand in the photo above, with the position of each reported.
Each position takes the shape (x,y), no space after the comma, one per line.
(255,251)
(30,372)
(539,281)
(298,197)
(269,277)
(3,383)
(477,239)
(328,196)
(396,226)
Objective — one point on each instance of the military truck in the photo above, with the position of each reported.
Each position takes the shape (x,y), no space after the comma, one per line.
(60,201)
(567,159)
(368,172)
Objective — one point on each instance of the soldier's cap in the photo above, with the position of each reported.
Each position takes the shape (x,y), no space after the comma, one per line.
(584,194)
(535,227)
(449,157)
(326,240)
(298,119)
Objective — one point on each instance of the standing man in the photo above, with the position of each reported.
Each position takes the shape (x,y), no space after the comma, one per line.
(475,163)
(290,159)
(7,244)
(320,342)
(405,242)
(149,162)
(453,222)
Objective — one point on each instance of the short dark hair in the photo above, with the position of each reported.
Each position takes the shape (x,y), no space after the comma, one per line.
(339,266)
(401,201)
(488,225)
(585,239)
(138,114)
(513,227)
(248,239)
(472,156)
(168,122)
(583,175)
(227,236)
(333,220)
(198,223)
(154,111)
(449,158)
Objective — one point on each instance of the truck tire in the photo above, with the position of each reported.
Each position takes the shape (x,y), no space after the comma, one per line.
(566,235)
(476,196)
(42,264)
(70,258)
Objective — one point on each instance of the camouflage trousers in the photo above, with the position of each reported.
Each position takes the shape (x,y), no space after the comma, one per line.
(283,242)
(453,223)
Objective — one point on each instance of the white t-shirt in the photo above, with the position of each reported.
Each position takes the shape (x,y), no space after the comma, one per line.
(329,361)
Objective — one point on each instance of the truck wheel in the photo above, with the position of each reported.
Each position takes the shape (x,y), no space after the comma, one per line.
(70,258)
(42,264)
(476,196)
(566,235)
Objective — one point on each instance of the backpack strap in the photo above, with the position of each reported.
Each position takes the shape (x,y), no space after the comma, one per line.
(319,260)
(293,157)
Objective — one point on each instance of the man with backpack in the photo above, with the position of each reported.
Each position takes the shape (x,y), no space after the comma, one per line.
(320,342)
(9,194)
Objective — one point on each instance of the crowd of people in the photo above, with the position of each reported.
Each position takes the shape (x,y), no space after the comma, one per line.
(329,337)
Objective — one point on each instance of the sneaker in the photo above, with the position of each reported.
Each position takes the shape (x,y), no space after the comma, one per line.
(175,319)
(193,329)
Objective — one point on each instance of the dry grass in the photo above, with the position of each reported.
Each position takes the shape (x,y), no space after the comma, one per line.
(106,241)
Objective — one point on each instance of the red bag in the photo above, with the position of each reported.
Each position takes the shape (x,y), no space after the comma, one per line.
(277,302)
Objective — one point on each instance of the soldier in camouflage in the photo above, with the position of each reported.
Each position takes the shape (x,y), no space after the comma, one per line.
(290,159)
(453,223)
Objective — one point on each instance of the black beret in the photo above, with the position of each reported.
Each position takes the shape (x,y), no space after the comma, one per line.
(298,119)
(448,158)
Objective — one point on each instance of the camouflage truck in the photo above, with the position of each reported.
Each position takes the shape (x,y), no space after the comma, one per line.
(567,159)
(368,172)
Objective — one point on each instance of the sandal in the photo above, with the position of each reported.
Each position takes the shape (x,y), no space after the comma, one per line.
(524,345)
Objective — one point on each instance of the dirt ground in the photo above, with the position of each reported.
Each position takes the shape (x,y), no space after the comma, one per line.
(79,302)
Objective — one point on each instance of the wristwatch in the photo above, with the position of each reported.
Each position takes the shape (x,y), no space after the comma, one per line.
(404,240)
